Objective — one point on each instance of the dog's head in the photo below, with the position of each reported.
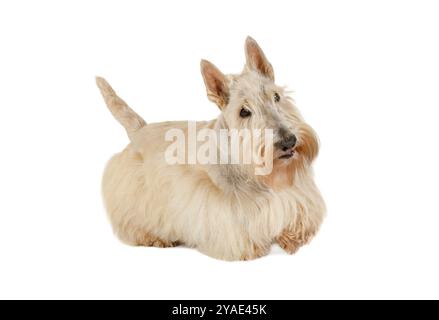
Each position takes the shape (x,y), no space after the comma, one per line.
(252,100)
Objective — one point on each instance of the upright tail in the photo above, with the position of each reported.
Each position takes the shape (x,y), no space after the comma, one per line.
(126,116)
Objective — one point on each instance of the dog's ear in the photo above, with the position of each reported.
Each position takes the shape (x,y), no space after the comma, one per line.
(256,59)
(216,84)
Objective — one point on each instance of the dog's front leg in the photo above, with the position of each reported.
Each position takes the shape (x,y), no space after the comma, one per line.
(300,231)
(291,240)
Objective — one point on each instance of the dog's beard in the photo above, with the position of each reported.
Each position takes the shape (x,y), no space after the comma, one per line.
(286,169)
(308,146)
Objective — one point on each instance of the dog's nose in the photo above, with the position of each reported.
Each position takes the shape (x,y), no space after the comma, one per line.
(287,142)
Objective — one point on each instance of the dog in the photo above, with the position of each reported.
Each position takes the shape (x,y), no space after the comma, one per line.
(226,211)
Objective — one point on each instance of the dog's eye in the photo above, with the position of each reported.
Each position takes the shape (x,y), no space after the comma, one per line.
(276,97)
(244,113)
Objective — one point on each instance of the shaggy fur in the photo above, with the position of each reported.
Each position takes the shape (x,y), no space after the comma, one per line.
(225,211)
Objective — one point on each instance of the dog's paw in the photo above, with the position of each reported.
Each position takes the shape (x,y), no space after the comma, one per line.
(255,253)
(151,241)
(291,241)
(163,244)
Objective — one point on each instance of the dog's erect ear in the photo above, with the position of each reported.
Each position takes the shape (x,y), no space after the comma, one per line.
(216,84)
(256,59)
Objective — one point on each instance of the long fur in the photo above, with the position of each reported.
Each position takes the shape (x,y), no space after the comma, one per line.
(223,210)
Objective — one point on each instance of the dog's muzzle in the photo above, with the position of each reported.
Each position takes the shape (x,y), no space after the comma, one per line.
(286,146)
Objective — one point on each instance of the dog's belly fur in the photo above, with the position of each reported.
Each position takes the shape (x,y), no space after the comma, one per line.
(148,199)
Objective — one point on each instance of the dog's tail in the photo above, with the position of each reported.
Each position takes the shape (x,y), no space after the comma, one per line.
(126,116)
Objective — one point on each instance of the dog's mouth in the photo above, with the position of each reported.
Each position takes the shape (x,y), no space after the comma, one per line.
(287,154)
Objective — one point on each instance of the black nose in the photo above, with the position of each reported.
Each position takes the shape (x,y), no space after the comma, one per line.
(287,142)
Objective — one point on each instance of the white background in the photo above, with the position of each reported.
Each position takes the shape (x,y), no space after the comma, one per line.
(365,76)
